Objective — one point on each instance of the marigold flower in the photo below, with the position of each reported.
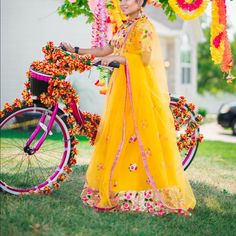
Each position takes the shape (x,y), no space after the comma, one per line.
(47,190)
(56,185)
(8,107)
(61,177)
(103,91)
(67,169)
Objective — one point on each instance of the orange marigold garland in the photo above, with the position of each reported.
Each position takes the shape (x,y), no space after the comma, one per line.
(181,118)
(220,46)
(58,64)
(61,90)
(90,126)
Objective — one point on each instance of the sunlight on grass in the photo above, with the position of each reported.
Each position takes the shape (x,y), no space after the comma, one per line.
(213,203)
(63,213)
(215,164)
(212,175)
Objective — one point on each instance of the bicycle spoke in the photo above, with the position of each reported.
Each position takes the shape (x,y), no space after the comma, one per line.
(20,170)
(9,161)
(41,168)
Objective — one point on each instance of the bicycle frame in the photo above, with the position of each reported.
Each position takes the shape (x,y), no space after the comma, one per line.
(47,129)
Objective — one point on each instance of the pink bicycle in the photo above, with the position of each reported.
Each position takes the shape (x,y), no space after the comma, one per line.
(38,145)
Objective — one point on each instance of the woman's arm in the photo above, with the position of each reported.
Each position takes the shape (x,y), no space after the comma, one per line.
(97,52)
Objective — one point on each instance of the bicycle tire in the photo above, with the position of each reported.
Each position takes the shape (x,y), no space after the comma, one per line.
(48,169)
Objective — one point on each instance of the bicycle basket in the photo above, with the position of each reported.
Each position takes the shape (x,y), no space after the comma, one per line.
(38,82)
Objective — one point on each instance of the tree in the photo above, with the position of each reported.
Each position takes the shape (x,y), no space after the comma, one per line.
(74,8)
(210,77)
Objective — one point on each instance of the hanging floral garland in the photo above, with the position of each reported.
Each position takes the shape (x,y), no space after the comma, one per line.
(116,16)
(220,46)
(100,37)
(189,9)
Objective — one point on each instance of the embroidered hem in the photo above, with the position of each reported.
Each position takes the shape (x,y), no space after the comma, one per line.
(133,201)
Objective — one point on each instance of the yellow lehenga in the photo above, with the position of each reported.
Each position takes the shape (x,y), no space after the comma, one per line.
(136,165)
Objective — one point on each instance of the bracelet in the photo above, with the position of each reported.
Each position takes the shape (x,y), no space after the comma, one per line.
(76,49)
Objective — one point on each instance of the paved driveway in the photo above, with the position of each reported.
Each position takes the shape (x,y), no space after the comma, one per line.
(213,131)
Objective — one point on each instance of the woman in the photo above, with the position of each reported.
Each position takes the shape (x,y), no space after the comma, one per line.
(136,165)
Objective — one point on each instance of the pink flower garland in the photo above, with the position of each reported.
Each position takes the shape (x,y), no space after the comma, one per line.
(100,25)
(189,6)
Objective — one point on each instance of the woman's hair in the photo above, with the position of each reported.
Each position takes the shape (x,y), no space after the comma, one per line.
(144,3)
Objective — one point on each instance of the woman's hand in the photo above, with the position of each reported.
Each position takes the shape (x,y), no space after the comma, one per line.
(68,47)
(105,61)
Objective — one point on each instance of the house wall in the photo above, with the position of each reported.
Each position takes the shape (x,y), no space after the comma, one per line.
(188,90)
(171,67)
(26,26)
(211,102)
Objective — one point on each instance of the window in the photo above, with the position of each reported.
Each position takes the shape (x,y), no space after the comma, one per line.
(185,60)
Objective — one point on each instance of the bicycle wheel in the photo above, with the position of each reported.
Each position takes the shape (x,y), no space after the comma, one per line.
(23,173)
(187,155)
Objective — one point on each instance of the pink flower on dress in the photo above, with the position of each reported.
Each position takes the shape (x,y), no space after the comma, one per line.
(132,139)
(133,167)
(148,194)
(128,195)
(159,204)
(149,207)
(89,191)
(126,206)
(85,198)
(161,213)
(181,212)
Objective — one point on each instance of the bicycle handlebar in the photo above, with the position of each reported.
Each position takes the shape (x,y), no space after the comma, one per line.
(112,64)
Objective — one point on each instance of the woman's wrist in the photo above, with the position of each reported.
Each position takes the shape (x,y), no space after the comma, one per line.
(120,59)
(76,50)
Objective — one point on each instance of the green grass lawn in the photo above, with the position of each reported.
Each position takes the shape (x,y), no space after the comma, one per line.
(63,213)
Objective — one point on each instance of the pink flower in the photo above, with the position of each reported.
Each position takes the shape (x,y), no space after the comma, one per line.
(181,212)
(159,204)
(72,1)
(126,206)
(128,195)
(150,210)
(133,167)
(148,204)
(89,191)
(133,138)
(161,213)
(229,78)
(85,198)
(149,207)
(148,194)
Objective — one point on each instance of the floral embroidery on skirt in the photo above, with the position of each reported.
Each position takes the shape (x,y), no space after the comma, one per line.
(135,201)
